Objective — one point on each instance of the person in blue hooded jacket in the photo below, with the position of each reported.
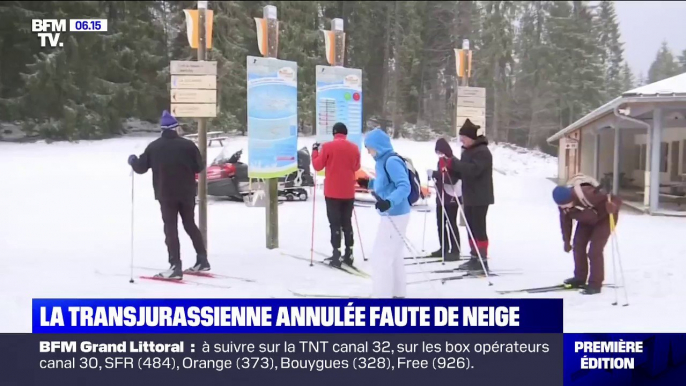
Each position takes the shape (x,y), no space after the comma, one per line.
(391,187)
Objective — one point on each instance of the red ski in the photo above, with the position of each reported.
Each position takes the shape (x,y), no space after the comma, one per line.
(176,281)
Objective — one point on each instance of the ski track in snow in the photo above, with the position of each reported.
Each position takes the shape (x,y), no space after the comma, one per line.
(66,217)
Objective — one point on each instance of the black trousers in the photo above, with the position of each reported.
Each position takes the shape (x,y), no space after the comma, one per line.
(170,212)
(476,221)
(340,213)
(449,244)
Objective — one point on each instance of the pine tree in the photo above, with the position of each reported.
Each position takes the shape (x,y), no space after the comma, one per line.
(18,46)
(85,88)
(579,74)
(641,80)
(534,95)
(611,51)
(682,61)
(664,66)
(628,81)
(497,38)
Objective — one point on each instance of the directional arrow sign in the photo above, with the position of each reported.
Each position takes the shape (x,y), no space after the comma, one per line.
(471,102)
(208,82)
(193,96)
(470,112)
(478,92)
(179,67)
(196,110)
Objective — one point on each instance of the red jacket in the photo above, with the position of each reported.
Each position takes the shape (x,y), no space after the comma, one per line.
(341,159)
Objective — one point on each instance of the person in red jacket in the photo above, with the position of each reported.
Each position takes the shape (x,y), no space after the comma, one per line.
(341,159)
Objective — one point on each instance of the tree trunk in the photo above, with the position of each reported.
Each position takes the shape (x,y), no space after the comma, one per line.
(496,102)
(386,57)
(397,66)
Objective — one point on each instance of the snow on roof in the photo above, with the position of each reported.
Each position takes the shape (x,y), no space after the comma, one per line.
(670,87)
(675,85)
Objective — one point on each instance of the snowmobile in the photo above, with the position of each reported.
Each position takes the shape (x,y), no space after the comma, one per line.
(228,177)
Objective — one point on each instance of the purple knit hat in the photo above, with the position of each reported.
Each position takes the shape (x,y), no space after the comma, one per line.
(168,122)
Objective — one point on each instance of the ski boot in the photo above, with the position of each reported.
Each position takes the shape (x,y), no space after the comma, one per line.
(174,273)
(590,291)
(574,283)
(438,253)
(472,264)
(336,260)
(348,257)
(201,265)
(478,269)
(452,256)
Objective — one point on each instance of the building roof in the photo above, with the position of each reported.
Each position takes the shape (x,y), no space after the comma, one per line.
(665,89)
(675,85)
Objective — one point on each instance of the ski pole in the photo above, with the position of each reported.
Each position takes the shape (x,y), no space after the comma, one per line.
(424,231)
(443,219)
(412,250)
(314,201)
(614,258)
(450,227)
(619,257)
(132,222)
(359,235)
(471,236)
(407,242)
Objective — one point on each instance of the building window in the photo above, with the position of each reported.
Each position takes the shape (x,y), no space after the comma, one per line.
(643,158)
(664,157)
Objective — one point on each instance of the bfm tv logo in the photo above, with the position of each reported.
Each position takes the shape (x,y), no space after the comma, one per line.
(49,31)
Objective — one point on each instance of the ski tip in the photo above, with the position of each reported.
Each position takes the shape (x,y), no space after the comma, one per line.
(201,274)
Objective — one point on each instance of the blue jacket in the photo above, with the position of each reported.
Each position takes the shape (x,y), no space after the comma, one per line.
(397,189)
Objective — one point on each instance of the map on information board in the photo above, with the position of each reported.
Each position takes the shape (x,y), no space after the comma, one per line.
(272,117)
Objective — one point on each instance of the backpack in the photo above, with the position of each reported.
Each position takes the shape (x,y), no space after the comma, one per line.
(580,180)
(415,182)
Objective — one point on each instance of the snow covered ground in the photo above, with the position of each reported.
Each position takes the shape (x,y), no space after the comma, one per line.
(65,222)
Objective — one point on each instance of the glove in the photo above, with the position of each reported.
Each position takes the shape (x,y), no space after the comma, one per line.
(383,205)
(568,247)
(132,159)
(316,146)
(430,174)
(363,182)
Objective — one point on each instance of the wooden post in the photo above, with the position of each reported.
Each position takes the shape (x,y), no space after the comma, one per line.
(202,131)
(269,13)
(339,42)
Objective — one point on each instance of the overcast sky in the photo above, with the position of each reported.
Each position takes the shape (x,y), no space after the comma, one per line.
(645,24)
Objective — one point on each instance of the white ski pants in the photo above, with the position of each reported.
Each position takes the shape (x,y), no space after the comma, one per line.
(388,264)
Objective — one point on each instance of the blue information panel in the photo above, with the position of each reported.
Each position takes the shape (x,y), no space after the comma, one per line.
(272,117)
(339,99)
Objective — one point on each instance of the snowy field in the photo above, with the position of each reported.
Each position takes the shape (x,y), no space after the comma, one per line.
(65,222)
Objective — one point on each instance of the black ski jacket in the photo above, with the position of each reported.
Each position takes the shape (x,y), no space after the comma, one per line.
(476,169)
(174,162)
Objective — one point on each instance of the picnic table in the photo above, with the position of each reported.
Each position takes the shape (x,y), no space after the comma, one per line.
(212,136)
